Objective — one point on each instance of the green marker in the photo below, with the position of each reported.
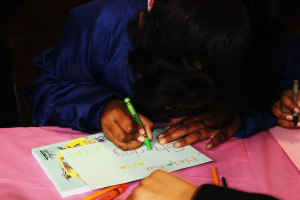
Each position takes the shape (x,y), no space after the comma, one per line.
(136,118)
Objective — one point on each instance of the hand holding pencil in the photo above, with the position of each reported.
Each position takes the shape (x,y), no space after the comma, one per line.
(119,127)
(287,109)
(137,119)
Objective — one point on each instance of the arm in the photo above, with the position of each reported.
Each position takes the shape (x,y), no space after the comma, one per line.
(288,70)
(62,103)
(87,68)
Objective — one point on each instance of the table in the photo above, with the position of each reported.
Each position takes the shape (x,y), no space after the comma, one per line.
(256,164)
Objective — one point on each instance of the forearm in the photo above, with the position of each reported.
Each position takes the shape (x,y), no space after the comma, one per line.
(61,103)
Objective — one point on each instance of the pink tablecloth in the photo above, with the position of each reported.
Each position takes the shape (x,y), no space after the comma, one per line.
(255,164)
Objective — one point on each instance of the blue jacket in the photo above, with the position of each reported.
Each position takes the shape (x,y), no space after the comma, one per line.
(88,67)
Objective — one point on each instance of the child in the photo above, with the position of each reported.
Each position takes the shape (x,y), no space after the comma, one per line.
(203,65)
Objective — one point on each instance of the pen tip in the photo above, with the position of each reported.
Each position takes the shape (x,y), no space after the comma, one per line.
(295,121)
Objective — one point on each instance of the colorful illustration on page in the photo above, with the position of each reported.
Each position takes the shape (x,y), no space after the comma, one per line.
(68,171)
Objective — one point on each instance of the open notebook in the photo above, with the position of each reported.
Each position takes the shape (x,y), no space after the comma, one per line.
(103,164)
(92,162)
(57,170)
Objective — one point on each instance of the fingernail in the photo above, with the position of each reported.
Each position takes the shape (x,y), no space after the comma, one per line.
(289,117)
(177,144)
(208,146)
(141,138)
(160,136)
(162,141)
(296,110)
(142,131)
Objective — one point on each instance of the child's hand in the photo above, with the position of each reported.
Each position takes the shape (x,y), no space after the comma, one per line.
(118,126)
(192,129)
(283,109)
(161,185)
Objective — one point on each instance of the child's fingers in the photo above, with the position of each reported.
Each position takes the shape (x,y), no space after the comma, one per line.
(191,138)
(148,125)
(287,101)
(287,124)
(148,129)
(127,125)
(119,137)
(277,112)
(218,138)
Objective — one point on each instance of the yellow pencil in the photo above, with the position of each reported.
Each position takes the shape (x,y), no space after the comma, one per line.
(101,192)
(214,175)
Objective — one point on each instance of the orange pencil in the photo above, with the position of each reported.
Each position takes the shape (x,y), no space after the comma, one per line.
(214,175)
(101,192)
(113,194)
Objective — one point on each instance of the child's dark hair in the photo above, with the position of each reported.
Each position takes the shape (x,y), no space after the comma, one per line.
(198,52)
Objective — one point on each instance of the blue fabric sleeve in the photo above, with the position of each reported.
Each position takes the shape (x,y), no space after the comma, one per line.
(254,121)
(87,68)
